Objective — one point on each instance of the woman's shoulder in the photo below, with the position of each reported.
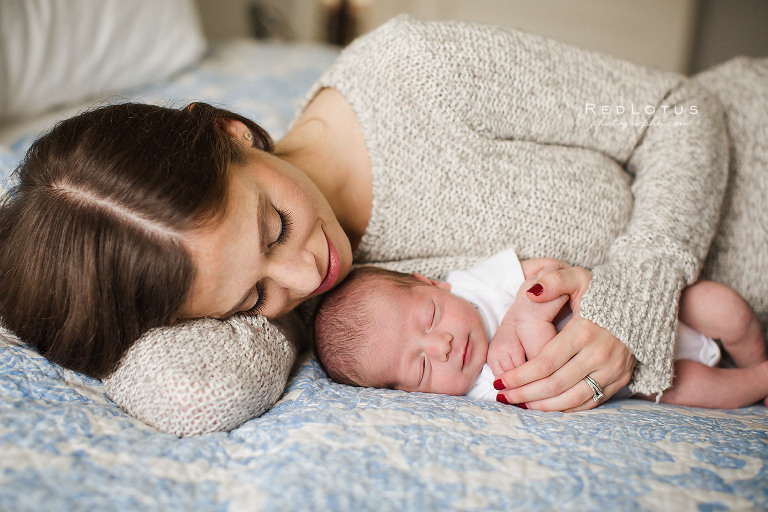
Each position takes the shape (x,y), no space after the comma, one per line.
(470,44)
(327,143)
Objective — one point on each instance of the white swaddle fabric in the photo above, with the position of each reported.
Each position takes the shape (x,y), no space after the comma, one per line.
(693,345)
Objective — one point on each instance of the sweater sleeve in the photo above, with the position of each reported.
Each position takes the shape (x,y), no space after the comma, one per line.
(679,174)
(666,132)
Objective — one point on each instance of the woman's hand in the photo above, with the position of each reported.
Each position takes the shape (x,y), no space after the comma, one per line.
(554,379)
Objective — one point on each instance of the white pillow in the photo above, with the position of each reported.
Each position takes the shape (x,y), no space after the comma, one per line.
(54,52)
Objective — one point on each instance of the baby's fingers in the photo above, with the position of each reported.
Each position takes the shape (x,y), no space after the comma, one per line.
(552,357)
(505,351)
(506,364)
(503,356)
(498,362)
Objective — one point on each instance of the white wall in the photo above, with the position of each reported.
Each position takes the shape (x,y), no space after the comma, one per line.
(657,33)
(225,19)
(677,35)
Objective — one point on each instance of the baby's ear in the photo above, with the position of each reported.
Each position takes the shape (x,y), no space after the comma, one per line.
(440,284)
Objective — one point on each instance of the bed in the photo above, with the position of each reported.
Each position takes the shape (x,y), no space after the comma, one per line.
(64,445)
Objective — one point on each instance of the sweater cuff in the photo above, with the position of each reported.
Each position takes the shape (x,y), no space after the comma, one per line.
(637,302)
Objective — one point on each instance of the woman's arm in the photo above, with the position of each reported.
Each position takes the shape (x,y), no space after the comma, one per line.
(679,174)
(679,179)
(665,131)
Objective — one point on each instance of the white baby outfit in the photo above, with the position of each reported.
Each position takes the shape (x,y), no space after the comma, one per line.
(491,286)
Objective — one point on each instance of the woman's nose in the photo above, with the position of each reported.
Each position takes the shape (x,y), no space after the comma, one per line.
(439,345)
(296,272)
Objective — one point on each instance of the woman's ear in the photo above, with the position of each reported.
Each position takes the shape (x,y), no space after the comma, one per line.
(440,284)
(236,129)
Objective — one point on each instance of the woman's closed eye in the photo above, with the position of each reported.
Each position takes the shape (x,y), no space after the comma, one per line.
(285,227)
(257,308)
(282,235)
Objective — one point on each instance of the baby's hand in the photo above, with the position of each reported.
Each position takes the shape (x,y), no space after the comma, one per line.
(526,328)
(505,350)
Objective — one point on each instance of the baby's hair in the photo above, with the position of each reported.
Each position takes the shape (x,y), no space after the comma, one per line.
(344,320)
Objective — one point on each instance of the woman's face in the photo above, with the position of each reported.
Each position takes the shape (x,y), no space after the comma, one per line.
(278,243)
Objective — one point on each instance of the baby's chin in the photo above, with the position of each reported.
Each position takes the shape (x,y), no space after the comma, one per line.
(459,385)
(467,386)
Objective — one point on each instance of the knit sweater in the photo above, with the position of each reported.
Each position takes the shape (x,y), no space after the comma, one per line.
(738,255)
(481,138)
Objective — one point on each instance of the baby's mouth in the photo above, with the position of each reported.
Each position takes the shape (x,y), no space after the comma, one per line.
(467,352)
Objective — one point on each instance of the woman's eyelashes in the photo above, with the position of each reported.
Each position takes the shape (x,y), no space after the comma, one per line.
(283,232)
(256,309)
(285,227)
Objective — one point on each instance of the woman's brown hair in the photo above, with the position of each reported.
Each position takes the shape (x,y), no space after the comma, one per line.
(91,236)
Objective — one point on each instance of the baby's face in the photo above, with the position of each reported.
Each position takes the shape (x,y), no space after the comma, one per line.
(425,339)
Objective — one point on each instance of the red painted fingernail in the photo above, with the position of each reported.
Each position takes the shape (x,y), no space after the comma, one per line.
(522,406)
(536,289)
(498,385)
(501,398)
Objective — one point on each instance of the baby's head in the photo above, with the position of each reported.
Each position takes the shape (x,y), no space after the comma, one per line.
(386,329)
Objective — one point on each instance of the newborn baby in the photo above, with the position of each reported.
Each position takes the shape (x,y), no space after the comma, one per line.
(403,331)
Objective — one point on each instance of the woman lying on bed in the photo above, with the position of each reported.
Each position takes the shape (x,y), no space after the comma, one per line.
(425,147)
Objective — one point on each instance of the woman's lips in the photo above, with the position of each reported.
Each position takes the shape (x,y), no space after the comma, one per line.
(332,272)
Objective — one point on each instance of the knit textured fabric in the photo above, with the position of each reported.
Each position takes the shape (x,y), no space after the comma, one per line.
(480,139)
(203,376)
(739,252)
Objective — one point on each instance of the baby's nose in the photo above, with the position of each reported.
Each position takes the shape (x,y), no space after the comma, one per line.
(440,345)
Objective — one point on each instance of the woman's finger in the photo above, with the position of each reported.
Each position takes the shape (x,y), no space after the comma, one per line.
(558,351)
(571,281)
(580,397)
(576,398)
(554,386)
(601,353)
